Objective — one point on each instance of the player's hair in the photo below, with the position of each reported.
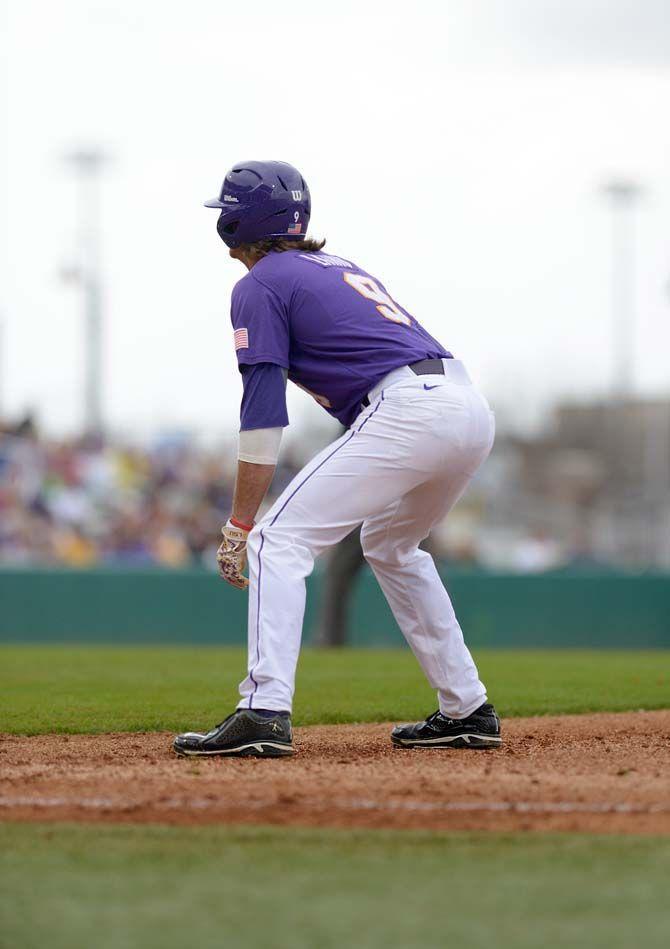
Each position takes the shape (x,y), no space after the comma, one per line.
(278,244)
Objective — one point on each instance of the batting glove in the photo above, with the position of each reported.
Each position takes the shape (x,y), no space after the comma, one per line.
(232,554)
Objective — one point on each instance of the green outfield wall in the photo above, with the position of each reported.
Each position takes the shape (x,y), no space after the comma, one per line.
(194,606)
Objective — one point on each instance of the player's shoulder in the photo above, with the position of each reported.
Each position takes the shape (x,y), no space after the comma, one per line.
(260,277)
(242,287)
(261,287)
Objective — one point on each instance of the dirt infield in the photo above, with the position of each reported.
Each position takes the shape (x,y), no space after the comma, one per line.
(599,773)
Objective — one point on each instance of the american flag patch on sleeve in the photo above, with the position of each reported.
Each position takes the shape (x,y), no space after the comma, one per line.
(241,338)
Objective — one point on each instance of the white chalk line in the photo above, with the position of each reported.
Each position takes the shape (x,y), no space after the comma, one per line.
(353,804)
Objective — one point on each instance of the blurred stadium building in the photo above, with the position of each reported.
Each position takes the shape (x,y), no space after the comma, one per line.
(593,488)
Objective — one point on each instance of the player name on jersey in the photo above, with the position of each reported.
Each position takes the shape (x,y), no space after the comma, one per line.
(326,260)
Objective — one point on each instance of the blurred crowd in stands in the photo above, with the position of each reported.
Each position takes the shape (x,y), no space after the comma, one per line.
(580,495)
(85,502)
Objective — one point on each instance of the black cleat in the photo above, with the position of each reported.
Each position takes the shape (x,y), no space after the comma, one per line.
(245,733)
(479,730)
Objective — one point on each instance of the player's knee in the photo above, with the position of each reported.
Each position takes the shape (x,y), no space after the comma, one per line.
(375,546)
(379,549)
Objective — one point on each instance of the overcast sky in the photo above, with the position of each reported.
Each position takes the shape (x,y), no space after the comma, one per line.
(455,149)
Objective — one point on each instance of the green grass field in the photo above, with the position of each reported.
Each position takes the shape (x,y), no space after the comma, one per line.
(72,886)
(102,689)
(139,887)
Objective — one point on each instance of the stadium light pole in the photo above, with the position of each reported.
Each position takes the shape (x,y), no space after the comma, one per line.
(623,196)
(88,164)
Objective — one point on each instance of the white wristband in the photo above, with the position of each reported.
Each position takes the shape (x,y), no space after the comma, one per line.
(260,446)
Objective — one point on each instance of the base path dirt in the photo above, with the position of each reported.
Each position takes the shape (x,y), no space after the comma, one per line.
(599,773)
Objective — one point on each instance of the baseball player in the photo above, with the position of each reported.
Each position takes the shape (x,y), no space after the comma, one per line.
(416,432)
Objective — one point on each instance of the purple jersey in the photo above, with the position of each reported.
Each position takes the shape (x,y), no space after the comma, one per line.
(329,323)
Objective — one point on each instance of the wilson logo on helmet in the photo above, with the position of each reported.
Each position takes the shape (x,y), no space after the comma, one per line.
(296,195)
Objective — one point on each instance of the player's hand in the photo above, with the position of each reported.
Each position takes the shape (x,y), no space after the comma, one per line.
(232,555)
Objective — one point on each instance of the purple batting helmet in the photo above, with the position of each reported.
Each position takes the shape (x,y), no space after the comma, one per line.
(261,199)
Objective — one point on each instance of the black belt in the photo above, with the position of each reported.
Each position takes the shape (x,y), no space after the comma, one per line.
(424,367)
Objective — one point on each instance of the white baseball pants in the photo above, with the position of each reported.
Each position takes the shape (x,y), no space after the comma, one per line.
(398,470)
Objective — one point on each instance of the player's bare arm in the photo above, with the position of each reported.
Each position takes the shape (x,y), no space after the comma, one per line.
(251,486)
